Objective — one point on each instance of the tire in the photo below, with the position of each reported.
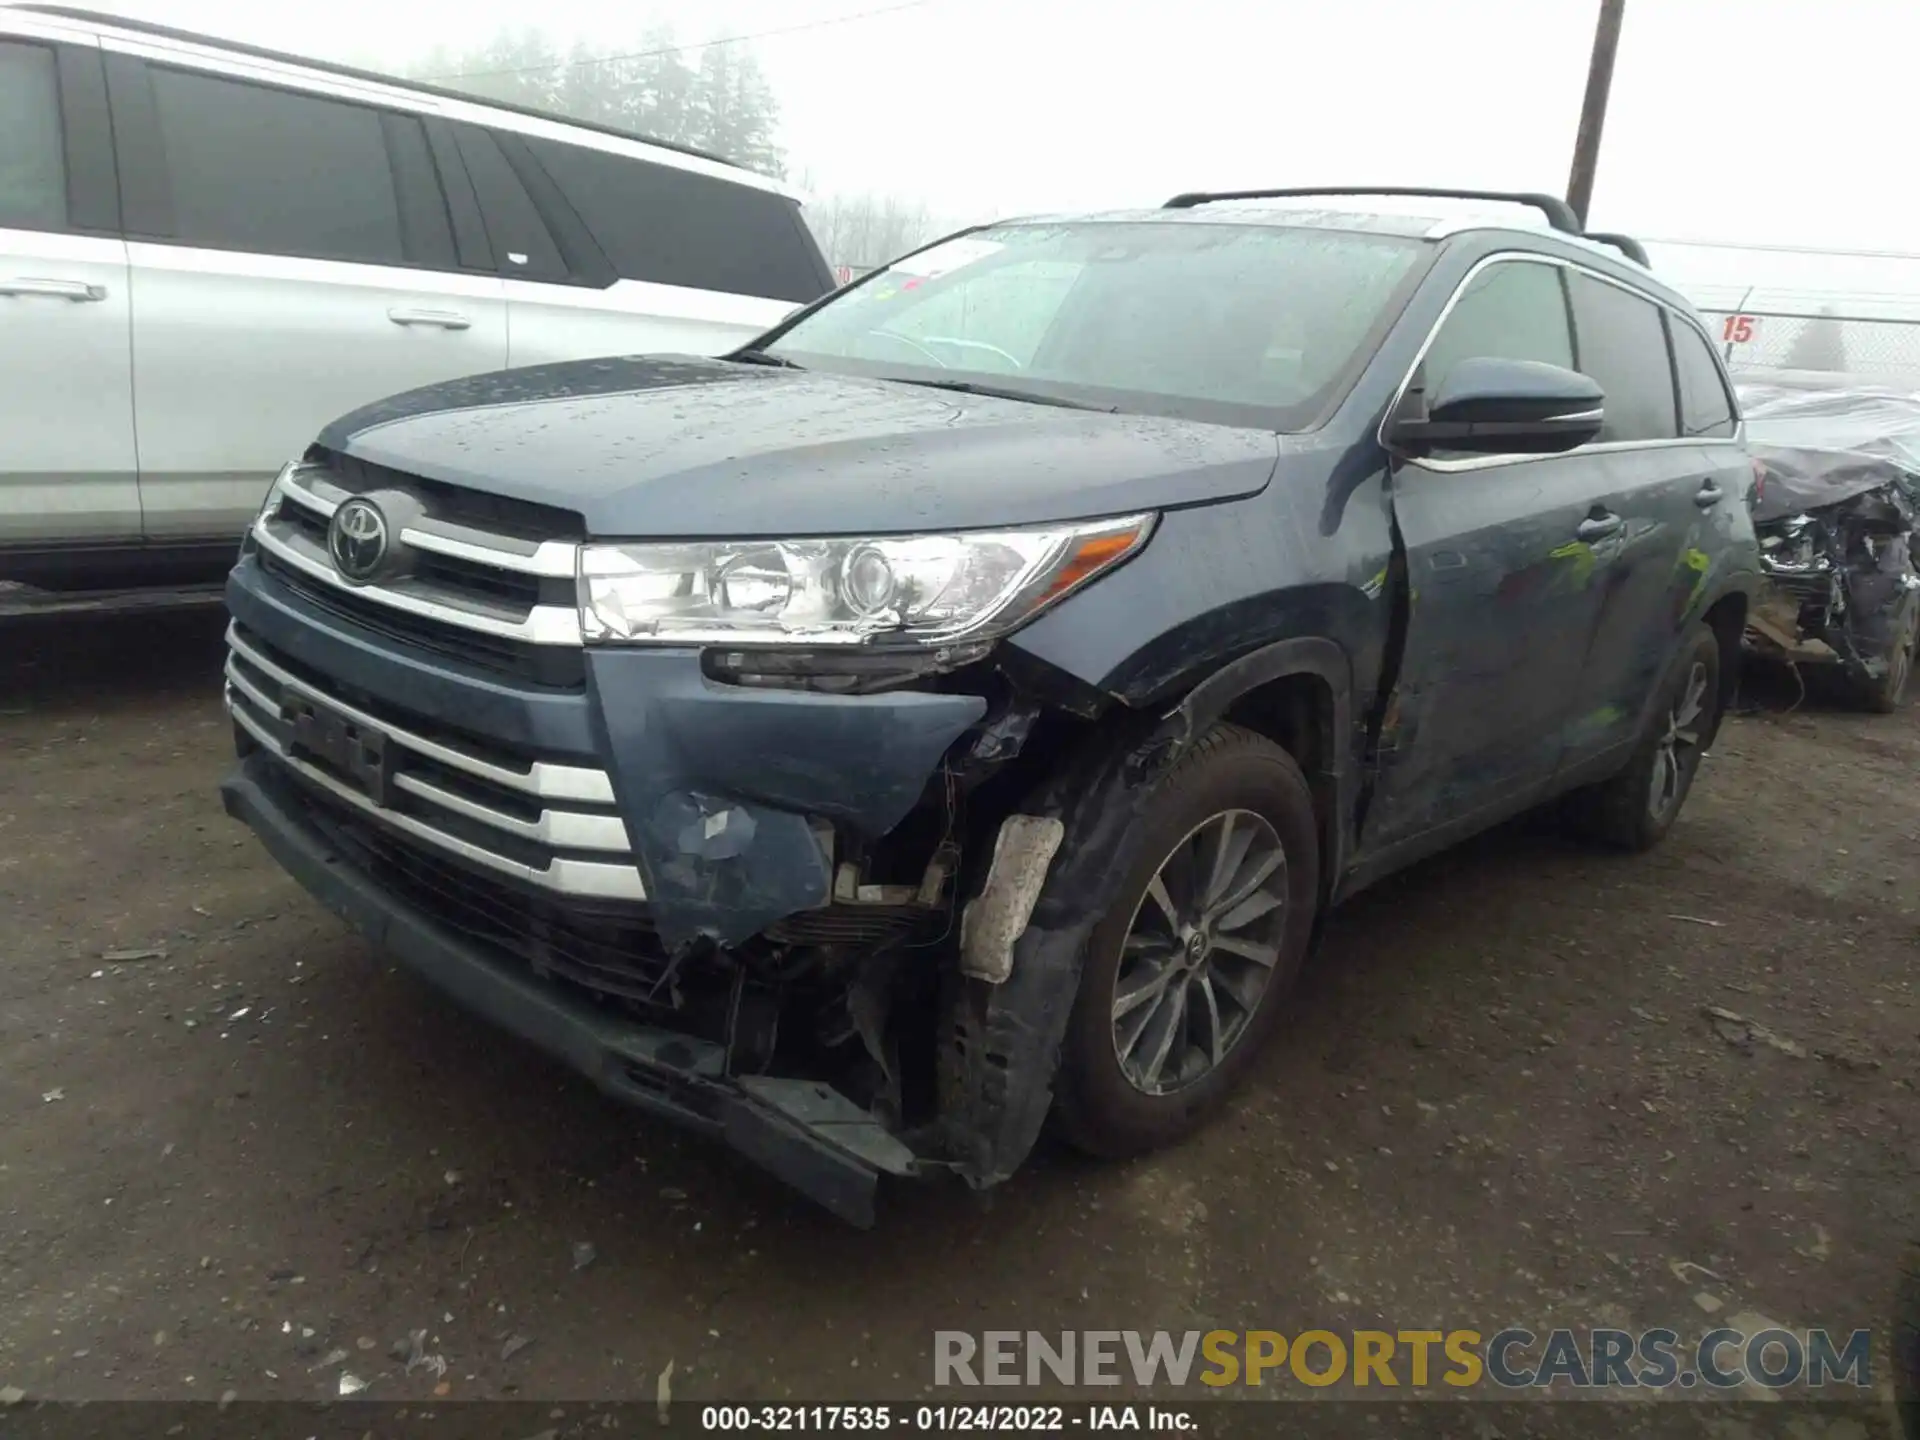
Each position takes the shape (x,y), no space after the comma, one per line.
(1906,1345)
(1625,812)
(1883,697)
(1233,787)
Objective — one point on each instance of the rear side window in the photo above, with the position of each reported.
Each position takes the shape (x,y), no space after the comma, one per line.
(1515,310)
(33,179)
(1623,348)
(270,171)
(1705,409)
(523,247)
(671,227)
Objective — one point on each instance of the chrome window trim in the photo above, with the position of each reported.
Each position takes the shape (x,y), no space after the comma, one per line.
(1447,229)
(588,878)
(51,29)
(1611,447)
(545,780)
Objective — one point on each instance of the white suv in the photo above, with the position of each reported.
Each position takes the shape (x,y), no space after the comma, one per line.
(207,251)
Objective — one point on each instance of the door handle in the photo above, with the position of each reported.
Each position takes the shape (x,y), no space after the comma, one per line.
(1598,527)
(78,291)
(441,319)
(1708,495)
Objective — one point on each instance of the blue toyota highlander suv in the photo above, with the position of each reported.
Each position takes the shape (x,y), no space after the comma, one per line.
(958,708)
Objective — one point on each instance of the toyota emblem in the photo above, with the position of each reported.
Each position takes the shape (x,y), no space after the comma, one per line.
(357,539)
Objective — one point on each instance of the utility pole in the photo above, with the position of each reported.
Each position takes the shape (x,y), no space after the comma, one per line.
(1593,109)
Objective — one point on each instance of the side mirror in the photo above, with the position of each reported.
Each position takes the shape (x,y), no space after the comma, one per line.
(1504,407)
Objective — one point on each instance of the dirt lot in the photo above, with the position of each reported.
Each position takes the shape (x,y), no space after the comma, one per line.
(1499,1101)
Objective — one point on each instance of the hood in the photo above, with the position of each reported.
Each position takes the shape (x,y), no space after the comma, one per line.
(685,448)
(1801,479)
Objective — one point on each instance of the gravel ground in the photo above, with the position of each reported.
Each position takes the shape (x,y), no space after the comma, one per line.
(243,1154)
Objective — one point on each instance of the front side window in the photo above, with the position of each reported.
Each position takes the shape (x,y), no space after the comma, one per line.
(33,178)
(1514,310)
(274,172)
(1243,323)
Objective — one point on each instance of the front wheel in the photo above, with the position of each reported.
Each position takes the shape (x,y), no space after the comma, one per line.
(1635,809)
(1185,977)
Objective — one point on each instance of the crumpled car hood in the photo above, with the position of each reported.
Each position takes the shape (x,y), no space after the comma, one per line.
(680,447)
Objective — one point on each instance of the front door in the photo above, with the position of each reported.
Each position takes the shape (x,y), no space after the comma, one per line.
(1507,561)
(67,466)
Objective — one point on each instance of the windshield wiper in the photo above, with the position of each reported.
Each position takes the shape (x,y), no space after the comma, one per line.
(997,392)
(764,357)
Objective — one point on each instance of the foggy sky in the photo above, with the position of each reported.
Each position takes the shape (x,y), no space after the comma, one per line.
(1784,124)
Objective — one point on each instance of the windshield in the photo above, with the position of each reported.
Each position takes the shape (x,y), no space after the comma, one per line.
(1248,324)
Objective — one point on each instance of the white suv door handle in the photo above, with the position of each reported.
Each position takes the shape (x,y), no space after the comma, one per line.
(76,290)
(444,319)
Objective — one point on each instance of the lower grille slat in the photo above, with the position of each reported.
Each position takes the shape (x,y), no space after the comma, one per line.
(552,826)
(612,951)
(525,854)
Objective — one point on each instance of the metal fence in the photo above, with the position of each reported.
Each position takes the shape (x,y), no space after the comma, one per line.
(1877,346)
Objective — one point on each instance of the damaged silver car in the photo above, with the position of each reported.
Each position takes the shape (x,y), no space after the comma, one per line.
(1837,461)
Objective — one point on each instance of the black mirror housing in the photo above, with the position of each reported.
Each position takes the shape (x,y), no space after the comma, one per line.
(1491,406)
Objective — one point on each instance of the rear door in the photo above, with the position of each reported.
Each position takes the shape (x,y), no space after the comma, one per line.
(67,465)
(292,258)
(1507,561)
(604,253)
(1674,473)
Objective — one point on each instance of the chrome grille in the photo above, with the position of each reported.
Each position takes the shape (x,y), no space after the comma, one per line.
(550,825)
(507,585)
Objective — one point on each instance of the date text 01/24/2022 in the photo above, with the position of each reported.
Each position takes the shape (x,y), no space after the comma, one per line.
(932,1419)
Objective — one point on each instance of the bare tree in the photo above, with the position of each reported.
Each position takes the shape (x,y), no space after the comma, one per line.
(865,230)
(1820,345)
(723,104)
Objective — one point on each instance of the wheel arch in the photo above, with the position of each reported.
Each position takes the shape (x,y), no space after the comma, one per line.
(1725,614)
(1299,694)
(1000,1040)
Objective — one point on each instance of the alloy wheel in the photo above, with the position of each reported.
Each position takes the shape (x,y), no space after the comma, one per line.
(1199,951)
(1679,743)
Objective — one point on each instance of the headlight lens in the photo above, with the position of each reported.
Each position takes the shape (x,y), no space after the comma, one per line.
(909,590)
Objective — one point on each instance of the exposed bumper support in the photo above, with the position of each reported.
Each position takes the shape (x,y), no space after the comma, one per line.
(805,1133)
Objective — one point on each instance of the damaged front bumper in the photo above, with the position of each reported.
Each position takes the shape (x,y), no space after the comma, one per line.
(744,910)
(1840,560)
(802,1131)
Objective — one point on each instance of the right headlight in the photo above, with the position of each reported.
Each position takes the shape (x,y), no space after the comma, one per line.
(915,592)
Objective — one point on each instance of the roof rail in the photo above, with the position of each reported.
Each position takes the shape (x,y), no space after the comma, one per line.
(353,72)
(1559,214)
(1625,244)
